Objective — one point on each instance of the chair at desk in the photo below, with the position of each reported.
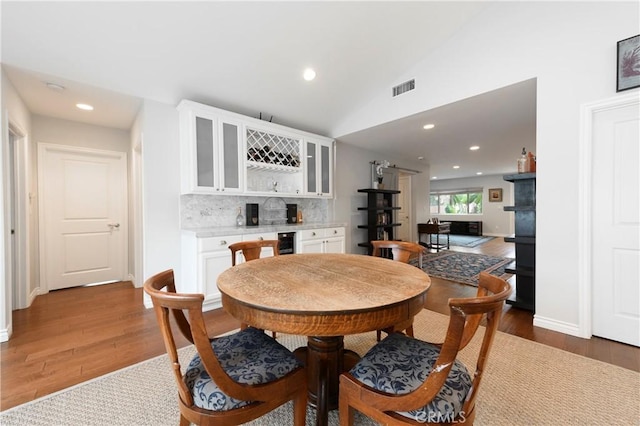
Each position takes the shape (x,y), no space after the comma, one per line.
(232,379)
(400,251)
(405,380)
(251,250)
(432,228)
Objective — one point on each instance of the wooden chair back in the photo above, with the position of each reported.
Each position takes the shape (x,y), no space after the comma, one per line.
(251,249)
(401,251)
(465,317)
(166,302)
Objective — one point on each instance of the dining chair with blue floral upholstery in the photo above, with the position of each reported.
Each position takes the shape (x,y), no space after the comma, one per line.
(232,379)
(403,380)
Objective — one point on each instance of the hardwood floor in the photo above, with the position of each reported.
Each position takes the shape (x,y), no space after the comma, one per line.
(70,336)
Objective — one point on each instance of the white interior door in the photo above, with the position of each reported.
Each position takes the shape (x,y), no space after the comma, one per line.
(83,210)
(403,216)
(616,223)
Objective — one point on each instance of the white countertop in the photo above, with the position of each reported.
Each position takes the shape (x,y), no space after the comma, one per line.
(220,231)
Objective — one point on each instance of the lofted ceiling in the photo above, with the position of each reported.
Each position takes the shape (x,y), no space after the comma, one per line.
(248,57)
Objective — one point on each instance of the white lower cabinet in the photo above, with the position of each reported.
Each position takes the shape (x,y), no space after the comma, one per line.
(203,259)
(322,240)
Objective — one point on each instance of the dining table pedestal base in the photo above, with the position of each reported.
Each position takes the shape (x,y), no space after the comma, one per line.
(325,359)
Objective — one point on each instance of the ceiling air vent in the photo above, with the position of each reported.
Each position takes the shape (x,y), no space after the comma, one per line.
(404,87)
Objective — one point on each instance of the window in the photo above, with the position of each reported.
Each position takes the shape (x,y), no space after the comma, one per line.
(465,201)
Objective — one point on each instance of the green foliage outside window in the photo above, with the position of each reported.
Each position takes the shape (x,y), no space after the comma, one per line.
(456,202)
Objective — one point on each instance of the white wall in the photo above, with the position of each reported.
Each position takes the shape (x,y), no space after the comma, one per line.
(570,47)
(135,203)
(353,172)
(161,185)
(495,221)
(64,132)
(15,111)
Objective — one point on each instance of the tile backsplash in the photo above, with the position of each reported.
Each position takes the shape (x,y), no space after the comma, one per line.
(205,211)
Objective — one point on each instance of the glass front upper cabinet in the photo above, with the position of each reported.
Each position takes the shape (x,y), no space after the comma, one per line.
(319,173)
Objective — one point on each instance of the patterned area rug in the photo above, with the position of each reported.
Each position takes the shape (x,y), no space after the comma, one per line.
(463,267)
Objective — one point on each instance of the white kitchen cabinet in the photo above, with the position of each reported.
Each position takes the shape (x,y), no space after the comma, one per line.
(274,161)
(226,153)
(319,168)
(203,259)
(322,240)
(211,151)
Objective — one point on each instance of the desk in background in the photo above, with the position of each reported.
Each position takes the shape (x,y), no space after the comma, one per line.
(434,229)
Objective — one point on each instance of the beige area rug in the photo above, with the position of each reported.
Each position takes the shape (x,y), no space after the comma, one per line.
(526,383)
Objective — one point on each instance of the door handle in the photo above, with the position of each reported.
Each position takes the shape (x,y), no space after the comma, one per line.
(114,226)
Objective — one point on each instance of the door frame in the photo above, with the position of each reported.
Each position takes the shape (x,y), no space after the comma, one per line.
(124,226)
(408,198)
(19,282)
(585,191)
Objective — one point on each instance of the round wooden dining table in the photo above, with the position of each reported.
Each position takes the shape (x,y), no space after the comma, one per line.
(323,297)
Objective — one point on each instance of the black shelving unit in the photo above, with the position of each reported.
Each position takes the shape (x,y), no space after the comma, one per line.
(524,267)
(380,215)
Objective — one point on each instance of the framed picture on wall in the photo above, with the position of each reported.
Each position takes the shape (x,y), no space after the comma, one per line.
(628,63)
(495,195)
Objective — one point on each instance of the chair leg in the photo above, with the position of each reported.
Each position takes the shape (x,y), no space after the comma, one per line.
(300,409)
(409,331)
(345,411)
(273,334)
(184,421)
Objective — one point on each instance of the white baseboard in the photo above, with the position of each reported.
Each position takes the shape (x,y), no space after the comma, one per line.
(32,296)
(559,326)
(5,333)
(211,304)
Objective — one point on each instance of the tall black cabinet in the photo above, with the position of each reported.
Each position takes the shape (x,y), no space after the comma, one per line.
(380,218)
(524,267)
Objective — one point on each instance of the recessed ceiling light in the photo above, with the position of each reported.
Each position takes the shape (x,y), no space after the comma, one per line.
(421,158)
(309,74)
(478,173)
(474,148)
(428,126)
(456,167)
(85,107)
